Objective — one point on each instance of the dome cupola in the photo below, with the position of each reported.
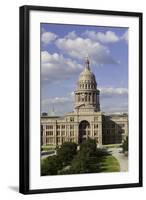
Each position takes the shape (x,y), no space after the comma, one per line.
(87,95)
(87,78)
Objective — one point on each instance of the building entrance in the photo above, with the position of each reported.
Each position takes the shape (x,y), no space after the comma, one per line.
(84,131)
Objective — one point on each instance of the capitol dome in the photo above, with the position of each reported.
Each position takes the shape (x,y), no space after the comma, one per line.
(86,75)
(87,79)
(87,94)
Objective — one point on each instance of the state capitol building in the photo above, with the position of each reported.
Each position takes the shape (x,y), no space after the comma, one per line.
(86,120)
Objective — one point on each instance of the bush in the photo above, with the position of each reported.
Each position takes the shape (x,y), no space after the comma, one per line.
(50,165)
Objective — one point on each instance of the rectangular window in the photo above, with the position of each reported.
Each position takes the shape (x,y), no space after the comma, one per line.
(71,126)
(58,132)
(95,133)
(71,139)
(71,133)
(49,140)
(63,133)
(58,126)
(49,133)
(58,140)
(95,125)
(63,126)
(72,119)
(49,126)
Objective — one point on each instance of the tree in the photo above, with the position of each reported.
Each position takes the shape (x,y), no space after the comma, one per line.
(67,152)
(85,161)
(50,165)
(125,145)
(89,147)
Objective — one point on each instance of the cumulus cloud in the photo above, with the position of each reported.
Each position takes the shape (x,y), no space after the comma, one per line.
(47,37)
(125,36)
(57,67)
(79,47)
(59,105)
(107,37)
(112,100)
(71,35)
(104,92)
(116,108)
(110,92)
(59,100)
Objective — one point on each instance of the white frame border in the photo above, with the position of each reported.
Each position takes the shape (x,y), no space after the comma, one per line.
(37,182)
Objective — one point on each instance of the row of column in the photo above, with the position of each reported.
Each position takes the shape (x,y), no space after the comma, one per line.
(87,86)
(89,97)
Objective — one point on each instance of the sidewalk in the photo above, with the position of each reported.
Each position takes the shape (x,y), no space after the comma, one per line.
(123,160)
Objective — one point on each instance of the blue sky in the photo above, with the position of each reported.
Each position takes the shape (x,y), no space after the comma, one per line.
(63,52)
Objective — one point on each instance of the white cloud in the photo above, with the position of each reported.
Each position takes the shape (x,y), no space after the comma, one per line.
(106,92)
(59,100)
(110,92)
(107,37)
(71,35)
(116,108)
(47,37)
(60,105)
(55,67)
(112,100)
(79,47)
(125,36)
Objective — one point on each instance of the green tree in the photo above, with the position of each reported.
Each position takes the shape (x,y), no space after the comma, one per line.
(50,165)
(66,152)
(125,145)
(89,147)
(85,161)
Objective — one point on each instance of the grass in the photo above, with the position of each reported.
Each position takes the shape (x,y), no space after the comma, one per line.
(46,148)
(105,162)
(112,145)
(109,164)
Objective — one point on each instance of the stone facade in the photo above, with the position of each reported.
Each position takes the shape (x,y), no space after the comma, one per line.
(86,120)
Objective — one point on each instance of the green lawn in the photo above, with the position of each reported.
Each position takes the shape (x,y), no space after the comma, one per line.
(88,159)
(109,164)
(46,148)
(112,145)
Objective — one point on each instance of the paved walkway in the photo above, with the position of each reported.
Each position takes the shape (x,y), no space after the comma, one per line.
(123,160)
(48,154)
